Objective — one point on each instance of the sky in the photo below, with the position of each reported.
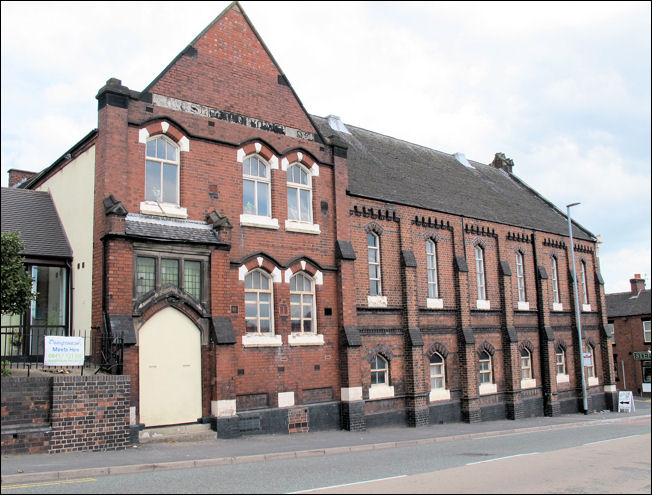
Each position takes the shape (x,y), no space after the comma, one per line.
(563,89)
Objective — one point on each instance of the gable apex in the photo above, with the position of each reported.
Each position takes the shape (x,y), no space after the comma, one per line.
(228,68)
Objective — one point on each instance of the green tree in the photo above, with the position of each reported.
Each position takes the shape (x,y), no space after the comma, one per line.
(16,281)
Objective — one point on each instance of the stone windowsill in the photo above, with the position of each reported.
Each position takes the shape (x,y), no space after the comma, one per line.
(563,378)
(593,381)
(377,301)
(302,227)
(380,391)
(528,383)
(523,306)
(261,340)
(247,220)
(351,394)
(434,303)
(440,394)
(557,306)
(483,304)
(488,388)
(586,308)
(163,209)
(305,339)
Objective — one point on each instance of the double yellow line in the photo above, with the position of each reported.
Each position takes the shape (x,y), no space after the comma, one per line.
(46,483)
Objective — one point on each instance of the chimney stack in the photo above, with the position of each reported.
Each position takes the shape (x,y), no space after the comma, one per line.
(17,177)
(501,162)
(638,284)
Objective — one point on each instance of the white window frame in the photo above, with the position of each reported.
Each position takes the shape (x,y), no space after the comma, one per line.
(375,248)
(380,390)
(646,331)
(256,179)
(162,162)
(585,293)
(258,292)
(297,187)
(555,281)
(437,371)
(520,277)
(526,364)
(487,370)
(480,275)
(431,268)
(563,376)
(302,294)
(589,371)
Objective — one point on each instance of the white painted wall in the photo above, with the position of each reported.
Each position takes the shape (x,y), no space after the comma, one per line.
(72,191)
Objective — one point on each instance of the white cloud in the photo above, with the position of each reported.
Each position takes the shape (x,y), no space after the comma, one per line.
(620,265)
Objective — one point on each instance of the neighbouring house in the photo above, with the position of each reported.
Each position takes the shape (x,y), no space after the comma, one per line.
(629,315)
(270,270)
(48,259)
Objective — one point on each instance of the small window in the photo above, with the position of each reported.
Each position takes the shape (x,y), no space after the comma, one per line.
(162,171)
(437,372)
(379,371)
(302,304)
(585,292)
(611,330)
(192,278)
(526,364)
(486,375)
(479,270)
(431,262)
(555,281)
(373,247)
(145,275)
(169,272)
(258,303)
(256,193)
(646,331)
(299,194)
(590,369)
(646,370)
(560,359)
(520,277)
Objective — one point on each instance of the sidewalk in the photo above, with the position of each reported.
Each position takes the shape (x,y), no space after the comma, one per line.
(261,448)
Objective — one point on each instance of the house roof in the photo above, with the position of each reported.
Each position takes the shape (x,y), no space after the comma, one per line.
(170,229)
(33,214)
(389,169)
(626,304)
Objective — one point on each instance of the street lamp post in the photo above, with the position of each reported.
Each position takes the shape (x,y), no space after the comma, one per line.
(577,310)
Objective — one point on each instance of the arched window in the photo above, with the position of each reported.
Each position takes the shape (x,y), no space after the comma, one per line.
(302,304)
(258,303)
(589,370)
(555,280)
(256,191)
(526,364)
(479,270)
(486,374)
(560,360)
(373,247)
(520,277)
(162,171)
(431,263)
(379,371)
(585,292)
(437,372)
(299,194)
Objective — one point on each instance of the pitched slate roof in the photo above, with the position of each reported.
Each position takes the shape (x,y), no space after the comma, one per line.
(624,304)
(389,169)
(33,214)
(170,229)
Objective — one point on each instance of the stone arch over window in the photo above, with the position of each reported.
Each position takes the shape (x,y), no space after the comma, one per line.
(526,344)
(262,262)
(438,348)
(260,148)
(380,349)
(374,228)
(302,157)
(304,264)
(486,346)
(163,127)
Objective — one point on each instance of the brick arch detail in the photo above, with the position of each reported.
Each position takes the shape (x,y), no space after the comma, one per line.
(261,262)
(439,348)
(258,148)
(561,343)
(486,346)
(163,127)
(374,227)
(526,344)
(381,349)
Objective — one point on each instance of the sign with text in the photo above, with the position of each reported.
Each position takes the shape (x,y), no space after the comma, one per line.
(626,401)
(586,359)
(642,356)
(63,351)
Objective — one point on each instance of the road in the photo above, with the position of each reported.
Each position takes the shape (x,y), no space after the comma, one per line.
(601,458)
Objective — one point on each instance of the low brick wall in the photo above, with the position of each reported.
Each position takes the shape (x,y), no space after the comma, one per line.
(65,413)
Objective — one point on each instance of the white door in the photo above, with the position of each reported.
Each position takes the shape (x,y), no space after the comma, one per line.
(169,369)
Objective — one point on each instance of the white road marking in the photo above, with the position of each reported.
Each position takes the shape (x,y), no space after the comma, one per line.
(349,484)
(611,439)
(501,458)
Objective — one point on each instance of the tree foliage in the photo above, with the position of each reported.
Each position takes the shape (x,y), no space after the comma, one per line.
(16,281)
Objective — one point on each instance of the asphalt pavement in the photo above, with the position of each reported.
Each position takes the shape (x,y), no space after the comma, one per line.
(262,448)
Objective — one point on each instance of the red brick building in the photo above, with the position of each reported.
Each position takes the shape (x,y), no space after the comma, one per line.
(271,270)
(630,317)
